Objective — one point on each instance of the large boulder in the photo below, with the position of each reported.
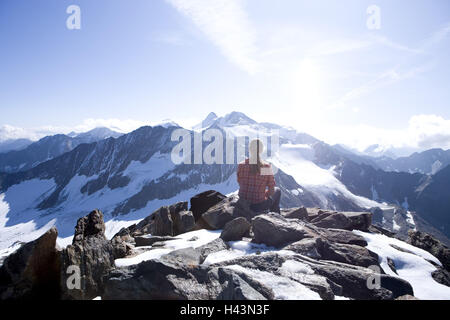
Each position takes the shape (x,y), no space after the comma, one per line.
(200,203)
(349,254)
(342,220)
(359,220)
(225,211)
(90,254)
(162,223)
(295,213)
(328,278)
(32,272)
(274,230)
(310,247)
(121,247)
(166,221)
(341,236)
(432,245)
(171,280)
(323,249)
(183,221)
(91,225)
(235,229)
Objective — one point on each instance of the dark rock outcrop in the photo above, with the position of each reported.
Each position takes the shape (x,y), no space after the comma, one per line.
(32,272)
(432,245)
(200,203)
(179,275)
(295,213)
(341,236)
(183,221)
(342,279)
(349,254)
(91,254)
(166,221)
(322,249)
(275,230)
(235,229)
(121,248)
(341,220)
(441,276)
(225,211)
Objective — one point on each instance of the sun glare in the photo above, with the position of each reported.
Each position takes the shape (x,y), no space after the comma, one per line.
(306,89)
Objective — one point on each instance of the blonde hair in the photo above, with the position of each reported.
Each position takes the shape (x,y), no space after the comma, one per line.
(256,147)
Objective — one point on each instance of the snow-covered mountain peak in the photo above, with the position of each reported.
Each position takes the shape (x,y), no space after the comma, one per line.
(97,134)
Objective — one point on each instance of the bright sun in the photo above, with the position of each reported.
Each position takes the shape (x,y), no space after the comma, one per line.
(306,91)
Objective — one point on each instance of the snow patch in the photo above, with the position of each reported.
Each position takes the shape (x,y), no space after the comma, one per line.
(283,288)
(412,267)
(184,241)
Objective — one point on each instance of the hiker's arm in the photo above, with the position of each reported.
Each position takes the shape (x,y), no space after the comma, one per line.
(270,184)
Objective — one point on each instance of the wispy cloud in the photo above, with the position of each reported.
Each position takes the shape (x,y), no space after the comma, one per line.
(403,71)
(384,79)
(226,24)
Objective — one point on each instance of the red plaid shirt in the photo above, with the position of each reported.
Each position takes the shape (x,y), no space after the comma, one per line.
(253,187)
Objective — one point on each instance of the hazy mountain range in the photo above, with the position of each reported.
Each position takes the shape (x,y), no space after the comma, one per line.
(58,179)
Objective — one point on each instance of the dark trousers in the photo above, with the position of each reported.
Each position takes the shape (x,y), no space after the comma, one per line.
(272,204)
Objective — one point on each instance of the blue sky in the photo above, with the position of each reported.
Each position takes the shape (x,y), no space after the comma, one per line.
(313,65)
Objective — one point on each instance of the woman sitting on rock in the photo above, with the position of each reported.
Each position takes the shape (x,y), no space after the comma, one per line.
(256,181)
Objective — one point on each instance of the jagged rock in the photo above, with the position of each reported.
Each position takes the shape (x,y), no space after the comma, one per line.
(441,276)
(321,248)
(237,286)
(295,213)
(343,279)
(203,201)
(349,254)
(341,236)
(155,280)
(169,280)
(127,233)
(235,229)
(313,213)
(359,220)
(342,220)
(211,247)
(274,230)
(228,209)
(91,225)
(432,245)
(162,223)
(149,240)
(183,221)
(309,247)
(32,272)
(121,248)
(92,254)
(328,219)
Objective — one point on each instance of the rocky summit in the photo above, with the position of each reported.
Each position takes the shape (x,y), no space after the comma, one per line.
(216,248)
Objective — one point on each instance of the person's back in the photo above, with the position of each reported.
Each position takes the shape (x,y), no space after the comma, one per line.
(257,182)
